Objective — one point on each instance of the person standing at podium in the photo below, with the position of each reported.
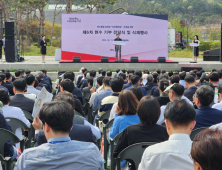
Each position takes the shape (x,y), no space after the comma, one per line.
(118,47)
(196,49)
(43,45)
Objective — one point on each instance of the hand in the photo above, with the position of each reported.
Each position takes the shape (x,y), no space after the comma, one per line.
(93,90)
(44,44)
(37,124)
(142,84)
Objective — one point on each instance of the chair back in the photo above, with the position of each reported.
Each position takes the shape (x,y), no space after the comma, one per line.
(28,115)
(77,113)
(196,131)
(102,121)
(16,123)
(133,154)
(7,136)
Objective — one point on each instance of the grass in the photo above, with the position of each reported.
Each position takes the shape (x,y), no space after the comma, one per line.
(35,51)
(186,53)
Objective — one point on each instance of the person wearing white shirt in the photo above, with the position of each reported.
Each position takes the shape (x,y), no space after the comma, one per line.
(218,106)
(30,96)
(30,80)
(175,93)
(13,112)
(174,153)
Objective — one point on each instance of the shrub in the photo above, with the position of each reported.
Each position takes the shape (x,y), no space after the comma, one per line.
(35,44)
(56,43)
(209,45)
(31,39)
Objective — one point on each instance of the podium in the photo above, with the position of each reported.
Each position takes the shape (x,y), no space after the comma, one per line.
(193,45)
(119,43)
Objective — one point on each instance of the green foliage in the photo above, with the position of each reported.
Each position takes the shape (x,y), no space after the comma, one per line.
(35,44)
(31,39)
(56,43)
(209,45)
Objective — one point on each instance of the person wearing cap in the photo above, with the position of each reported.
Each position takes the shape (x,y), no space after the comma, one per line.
(175,92)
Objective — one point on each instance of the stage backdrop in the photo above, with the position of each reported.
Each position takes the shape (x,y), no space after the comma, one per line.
(91,36)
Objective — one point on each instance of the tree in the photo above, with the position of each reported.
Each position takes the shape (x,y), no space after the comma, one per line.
(55,14)
(96,4)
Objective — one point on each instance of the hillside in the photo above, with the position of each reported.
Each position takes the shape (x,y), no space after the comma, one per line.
(201,9)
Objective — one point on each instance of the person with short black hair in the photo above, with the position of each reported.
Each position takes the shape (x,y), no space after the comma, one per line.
(123,76)
(86,90)
(163,71)
(213,70)
(198,75)
(18,74)
(155,90)
(191,87)
(27,72)
(68,85)
(158,71)
(30,80)
(8,78)
(107,91)
(138,73)
(3,87)
(179,120)
(103,73)
(13,112)
(204,77)
(135,80)
(77,92)
(19,100)
(57,119)
(145,71)
(182,81)
(174,79)
(129,81)
(6,85)
(163,99)
(116,85)
(214,79)
(109,74)
(170,73)
(145,131)
(206,116)
(206,150)
(117,71)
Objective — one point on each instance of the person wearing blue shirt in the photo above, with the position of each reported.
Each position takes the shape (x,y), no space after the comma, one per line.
(205,115)
(101,95)
(60,152)
(126,114)
(136,82)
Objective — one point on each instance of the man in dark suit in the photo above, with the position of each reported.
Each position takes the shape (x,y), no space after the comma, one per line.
(79,132)
(118,47)
(87,89)
(129,82)
(77,92)
(205,115)
(8,86)
(191,87)
(19,100)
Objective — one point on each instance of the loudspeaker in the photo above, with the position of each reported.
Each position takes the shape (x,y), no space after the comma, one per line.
(9,41)
(9,31)
(161,59)
(134,59)
(10,51)
(76,59)
(104,59)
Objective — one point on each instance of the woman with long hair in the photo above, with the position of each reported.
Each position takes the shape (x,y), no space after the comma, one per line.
(43,45)
(196,49)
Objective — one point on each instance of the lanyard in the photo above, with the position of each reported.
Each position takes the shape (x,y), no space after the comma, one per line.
(54,142)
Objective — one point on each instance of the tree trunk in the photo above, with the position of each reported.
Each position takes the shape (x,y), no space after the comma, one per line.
(27,26)
(69,7)
(52,26)
(39,33)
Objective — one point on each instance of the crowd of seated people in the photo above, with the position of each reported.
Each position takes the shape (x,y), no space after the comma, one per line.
(165,111)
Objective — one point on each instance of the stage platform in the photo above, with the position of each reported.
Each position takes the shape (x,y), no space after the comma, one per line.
(34,63)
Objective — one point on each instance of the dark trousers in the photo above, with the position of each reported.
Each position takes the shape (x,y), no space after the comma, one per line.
(118,50)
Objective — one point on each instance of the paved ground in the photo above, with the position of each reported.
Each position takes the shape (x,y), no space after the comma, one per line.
(35,63)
